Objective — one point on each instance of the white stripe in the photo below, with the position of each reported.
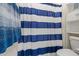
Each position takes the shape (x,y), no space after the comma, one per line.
(49,54)
(40,44)
(20,46)
(25,17)
(41,7)
(38,31)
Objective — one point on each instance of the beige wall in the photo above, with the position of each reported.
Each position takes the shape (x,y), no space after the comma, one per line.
(69,25)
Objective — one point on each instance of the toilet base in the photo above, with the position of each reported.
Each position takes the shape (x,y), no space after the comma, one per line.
(66,52)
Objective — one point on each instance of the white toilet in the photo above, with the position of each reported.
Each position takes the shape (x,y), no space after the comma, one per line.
(74,51)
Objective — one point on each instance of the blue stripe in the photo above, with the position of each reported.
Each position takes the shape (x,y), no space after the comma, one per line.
(27,10)
(39,51)
(35,38)
(27,24)
(51,4)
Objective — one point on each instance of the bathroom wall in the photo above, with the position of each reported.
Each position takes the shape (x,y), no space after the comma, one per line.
(72,21)
(73,27)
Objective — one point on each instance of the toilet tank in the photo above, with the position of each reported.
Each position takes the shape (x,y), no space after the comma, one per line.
(74,42)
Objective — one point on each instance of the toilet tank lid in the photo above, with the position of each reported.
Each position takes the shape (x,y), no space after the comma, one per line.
(74,37)
(66,52)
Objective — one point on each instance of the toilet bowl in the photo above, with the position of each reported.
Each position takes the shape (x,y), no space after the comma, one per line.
(74,43)
(66,52)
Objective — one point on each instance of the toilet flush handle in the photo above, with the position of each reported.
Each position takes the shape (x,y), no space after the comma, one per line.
(76,50)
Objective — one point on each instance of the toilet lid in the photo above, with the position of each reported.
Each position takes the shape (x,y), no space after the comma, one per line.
(66,52)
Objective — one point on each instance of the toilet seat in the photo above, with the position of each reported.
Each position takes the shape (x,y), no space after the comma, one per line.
(66,52)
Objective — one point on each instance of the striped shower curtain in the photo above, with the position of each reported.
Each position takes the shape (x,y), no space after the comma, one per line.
(41,29)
